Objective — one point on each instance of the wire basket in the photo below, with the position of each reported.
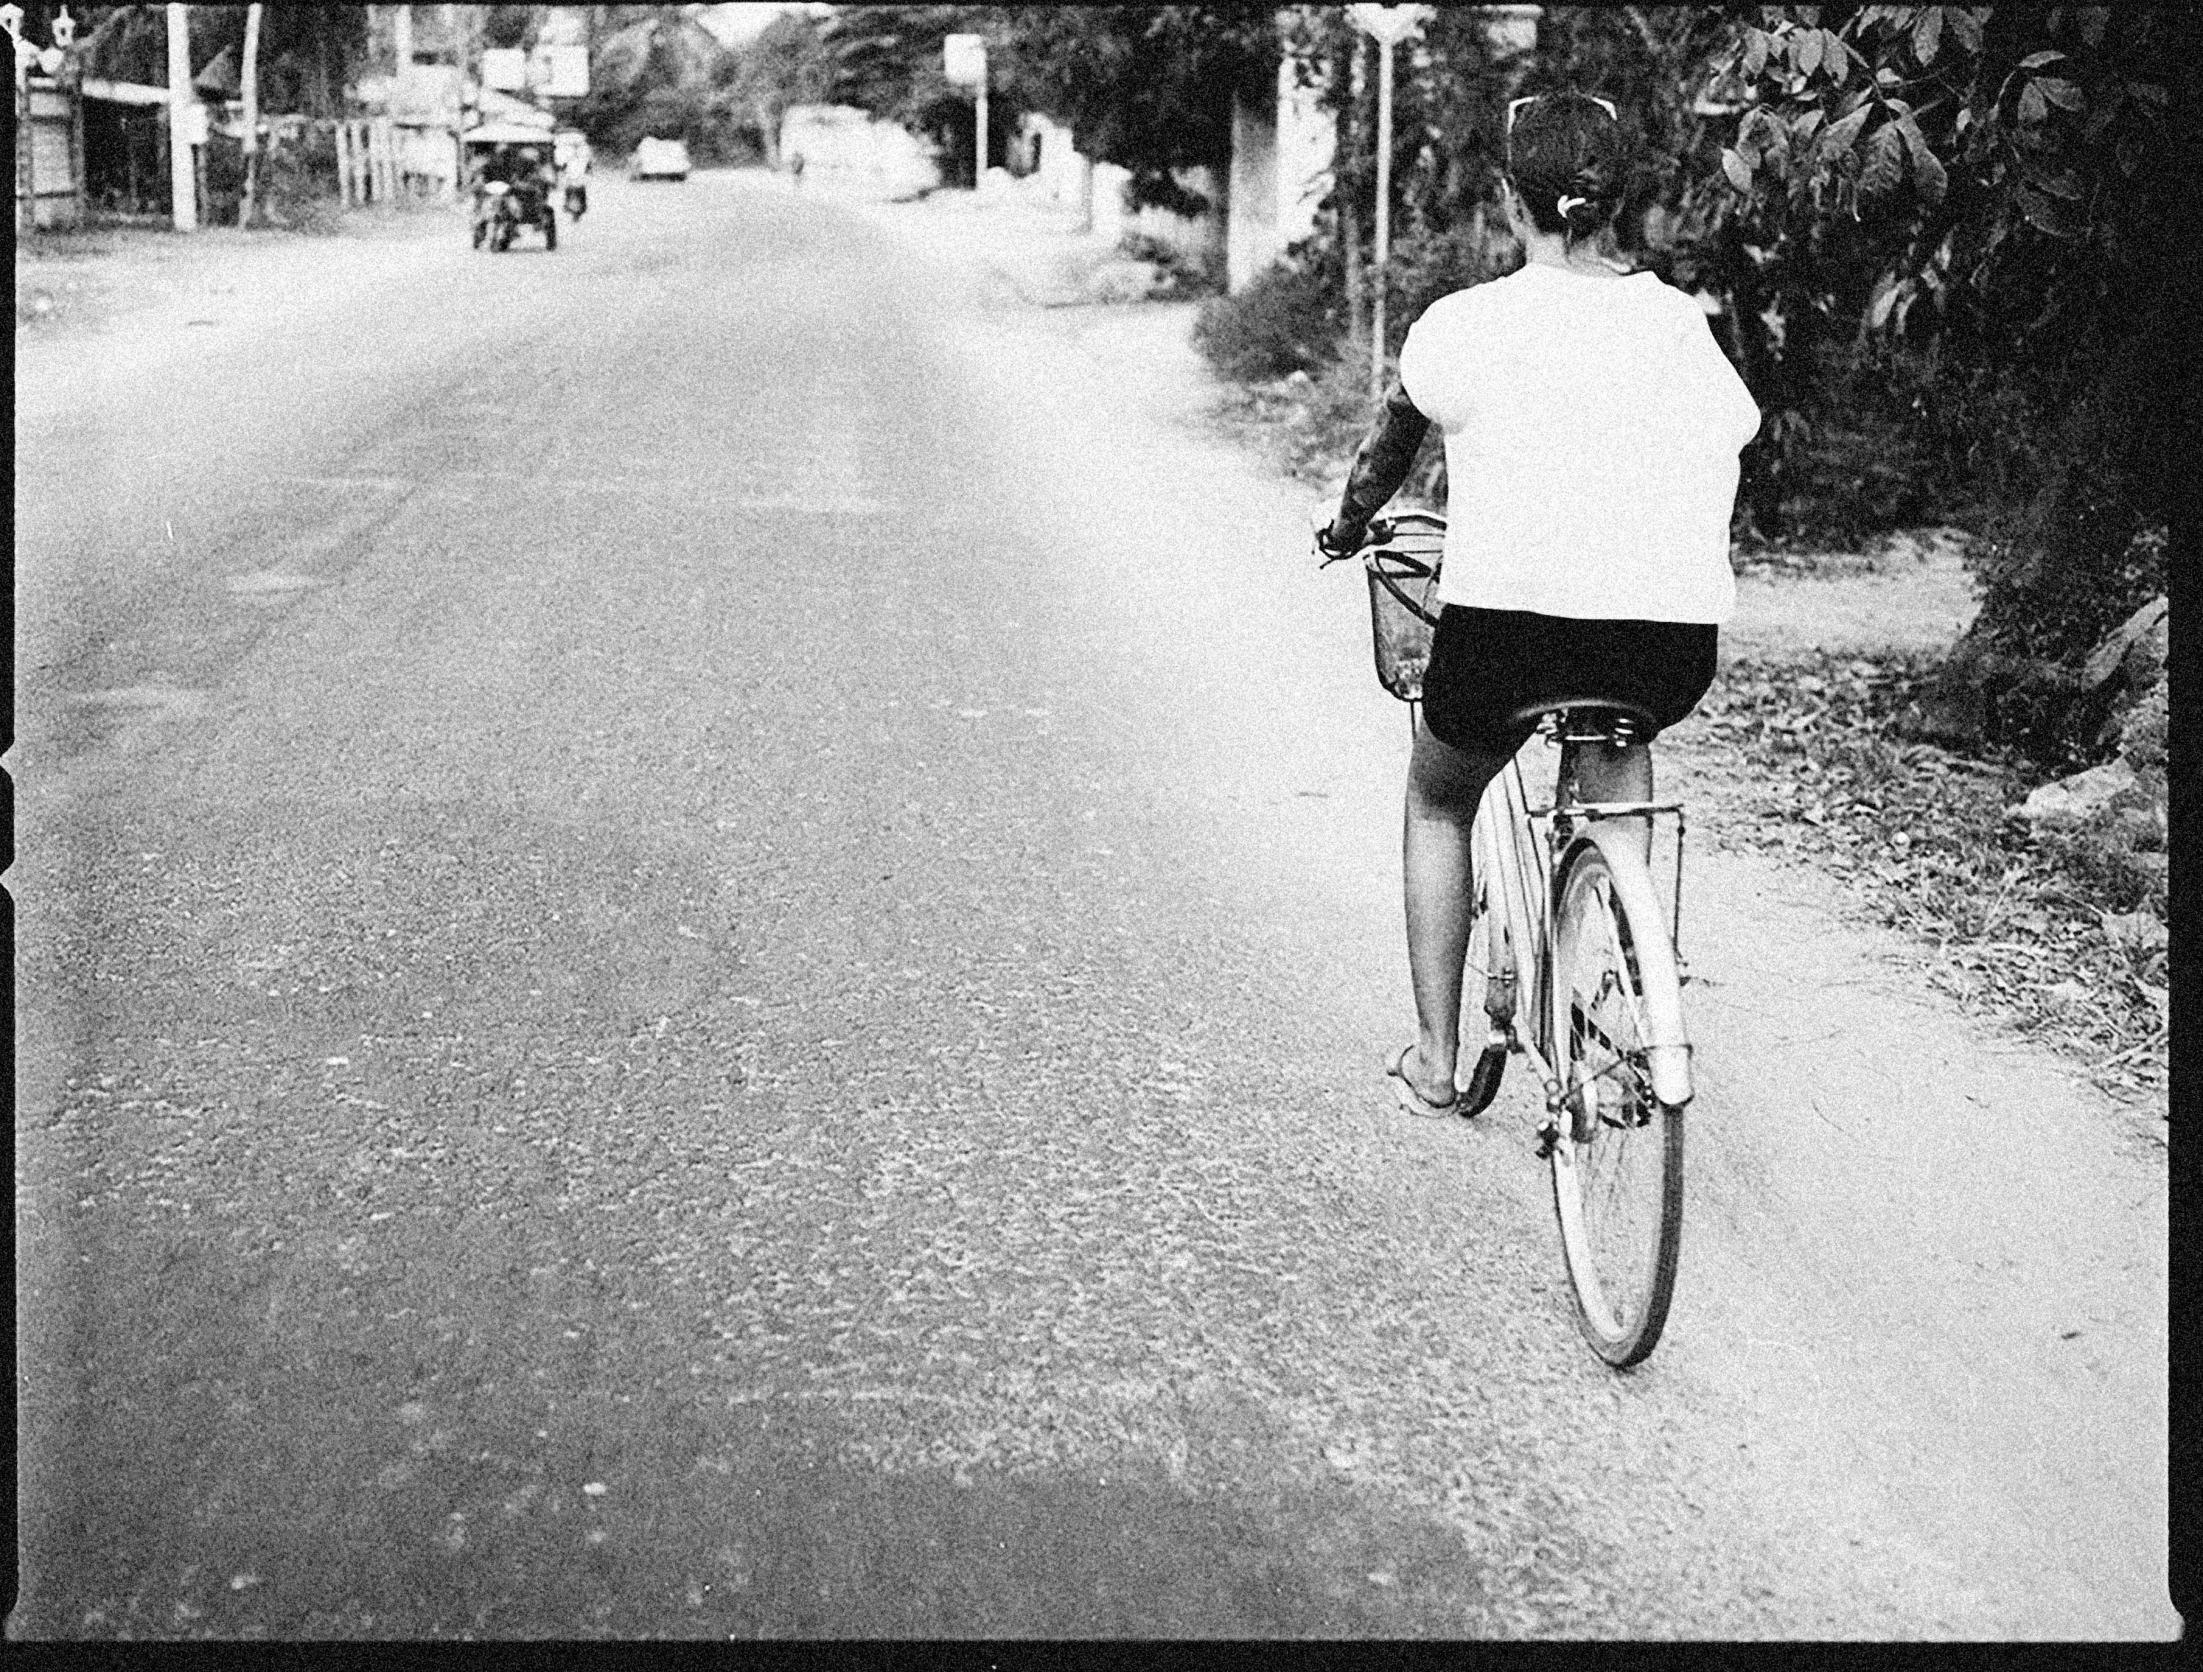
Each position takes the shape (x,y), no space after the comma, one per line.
(1403,599)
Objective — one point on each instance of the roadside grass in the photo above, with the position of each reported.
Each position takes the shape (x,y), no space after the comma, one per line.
(1306,423)
(2060,935)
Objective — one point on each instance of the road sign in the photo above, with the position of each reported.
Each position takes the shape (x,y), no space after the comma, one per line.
(504,68)
(560,72)
(964,59)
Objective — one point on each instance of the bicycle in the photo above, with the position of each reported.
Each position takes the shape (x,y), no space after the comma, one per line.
(1575,968)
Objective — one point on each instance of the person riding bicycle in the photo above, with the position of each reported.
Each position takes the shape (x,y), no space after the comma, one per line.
(1592,427)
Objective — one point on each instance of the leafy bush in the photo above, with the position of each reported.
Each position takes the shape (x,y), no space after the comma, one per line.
(225,178)
(2142,737)
(1429,265)
(298,182)
(1288,320)
(1183,275)
(1878,450)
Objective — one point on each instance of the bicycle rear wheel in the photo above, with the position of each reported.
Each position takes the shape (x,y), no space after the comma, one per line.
(1618,1164)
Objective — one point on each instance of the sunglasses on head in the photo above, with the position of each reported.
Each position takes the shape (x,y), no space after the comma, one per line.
(1514,105)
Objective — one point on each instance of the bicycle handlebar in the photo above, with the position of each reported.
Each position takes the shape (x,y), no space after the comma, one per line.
(1380,532)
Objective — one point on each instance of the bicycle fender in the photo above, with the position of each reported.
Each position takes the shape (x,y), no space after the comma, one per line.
(1667,1052)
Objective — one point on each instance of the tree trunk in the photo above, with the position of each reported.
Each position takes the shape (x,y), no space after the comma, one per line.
(768,132)
(1346,185)
(249,76)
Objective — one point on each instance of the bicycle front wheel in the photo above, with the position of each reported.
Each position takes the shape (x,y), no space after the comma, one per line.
(1618,1162)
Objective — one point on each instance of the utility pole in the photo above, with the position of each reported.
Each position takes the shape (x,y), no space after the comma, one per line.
(182,102)
(250,79)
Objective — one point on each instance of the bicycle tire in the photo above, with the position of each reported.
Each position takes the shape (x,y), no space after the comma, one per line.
(1618,1162)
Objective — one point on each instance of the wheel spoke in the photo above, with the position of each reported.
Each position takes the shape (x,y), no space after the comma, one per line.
(1619,962)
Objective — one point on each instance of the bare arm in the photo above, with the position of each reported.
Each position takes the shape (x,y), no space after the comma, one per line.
(1387,454)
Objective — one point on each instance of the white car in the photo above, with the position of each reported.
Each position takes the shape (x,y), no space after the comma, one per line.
(658,159)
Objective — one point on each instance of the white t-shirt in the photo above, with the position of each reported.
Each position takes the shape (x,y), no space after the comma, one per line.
(1592,428)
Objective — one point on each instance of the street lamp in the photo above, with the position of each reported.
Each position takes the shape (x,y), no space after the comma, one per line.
(1388,26)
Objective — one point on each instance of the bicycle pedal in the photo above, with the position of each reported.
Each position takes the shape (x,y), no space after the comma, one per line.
(1548,1140)
(1483,1084)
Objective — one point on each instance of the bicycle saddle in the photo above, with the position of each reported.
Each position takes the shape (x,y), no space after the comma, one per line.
(1590,711)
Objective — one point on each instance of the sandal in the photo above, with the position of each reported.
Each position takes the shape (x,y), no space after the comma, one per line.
(1413,1101)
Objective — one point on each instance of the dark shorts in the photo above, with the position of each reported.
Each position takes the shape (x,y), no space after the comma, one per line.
(1485,665)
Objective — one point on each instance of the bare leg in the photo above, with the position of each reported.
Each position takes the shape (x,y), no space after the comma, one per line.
(1444,785)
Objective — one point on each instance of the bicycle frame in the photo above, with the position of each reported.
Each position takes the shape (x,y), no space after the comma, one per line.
(1523,894)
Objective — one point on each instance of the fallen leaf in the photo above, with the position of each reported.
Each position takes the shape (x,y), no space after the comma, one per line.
(2137,931)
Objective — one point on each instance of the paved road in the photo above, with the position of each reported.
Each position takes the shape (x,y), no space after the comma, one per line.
(704,935)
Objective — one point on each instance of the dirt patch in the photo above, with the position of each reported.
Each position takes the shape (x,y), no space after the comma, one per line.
(1913,593)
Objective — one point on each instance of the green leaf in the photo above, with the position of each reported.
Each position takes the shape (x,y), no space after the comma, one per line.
(1885,299)
(1965,23)
(1802,127)
(1836,138)
(2149,93)
(1737,169)
(2032,106)
(1836,56)
(1807,51)
(1756,43)
(2036,60)
(1751,143)
(2066,95)
(1927,169)
(2048,214)
(1884,169)
(2058,182)
(1927,35)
